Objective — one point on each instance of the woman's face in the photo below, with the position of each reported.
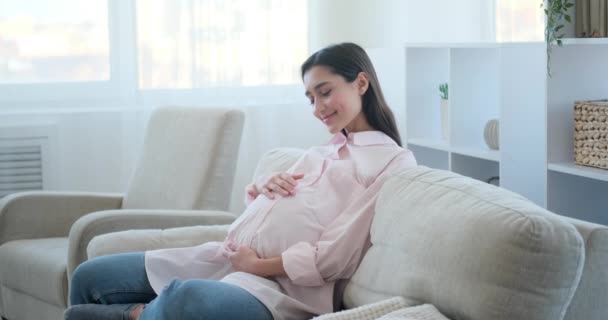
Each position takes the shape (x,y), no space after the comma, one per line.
(337,103)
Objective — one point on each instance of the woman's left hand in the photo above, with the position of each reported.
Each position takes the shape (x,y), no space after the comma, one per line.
(243,259)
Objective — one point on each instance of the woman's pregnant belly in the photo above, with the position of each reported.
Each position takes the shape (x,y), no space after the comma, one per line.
(292,219)
(302,217)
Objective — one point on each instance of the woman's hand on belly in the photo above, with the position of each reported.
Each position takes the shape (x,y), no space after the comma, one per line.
(246,259)
(281,183)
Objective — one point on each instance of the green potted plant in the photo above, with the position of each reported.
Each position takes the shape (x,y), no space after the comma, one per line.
(556,11)
(443,94)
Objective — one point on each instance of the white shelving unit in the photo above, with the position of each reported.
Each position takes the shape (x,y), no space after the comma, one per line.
(426,68)
(509,82)
(579,72)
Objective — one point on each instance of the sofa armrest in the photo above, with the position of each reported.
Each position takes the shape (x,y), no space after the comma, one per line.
(589,301)
(143,240)
(44,214)
(102,222)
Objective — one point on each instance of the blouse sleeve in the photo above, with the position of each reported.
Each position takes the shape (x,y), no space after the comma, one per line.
(341,246)
(259,182)
(248,198)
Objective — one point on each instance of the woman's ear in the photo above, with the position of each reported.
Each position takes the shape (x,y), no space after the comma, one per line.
(362,82)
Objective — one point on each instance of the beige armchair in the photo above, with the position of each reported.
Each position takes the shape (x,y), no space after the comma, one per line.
(183,178)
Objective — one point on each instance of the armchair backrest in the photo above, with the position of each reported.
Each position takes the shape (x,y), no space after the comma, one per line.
(188,159)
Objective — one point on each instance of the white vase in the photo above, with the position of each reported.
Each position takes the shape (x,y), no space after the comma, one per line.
(490,134)
(444,119)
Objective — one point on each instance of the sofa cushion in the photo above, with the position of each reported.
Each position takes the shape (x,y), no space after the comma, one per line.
(473,250)
(367,312)
(277,160)
(422,312)
(36,267)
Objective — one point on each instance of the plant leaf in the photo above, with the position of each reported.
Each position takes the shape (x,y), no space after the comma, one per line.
(568,18)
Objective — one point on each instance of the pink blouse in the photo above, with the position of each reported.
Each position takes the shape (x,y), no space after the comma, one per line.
(321,232)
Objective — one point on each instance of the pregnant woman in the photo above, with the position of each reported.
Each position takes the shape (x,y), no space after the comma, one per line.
(302,230)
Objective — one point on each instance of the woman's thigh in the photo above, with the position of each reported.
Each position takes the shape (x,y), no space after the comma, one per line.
(205,299)
(117,278)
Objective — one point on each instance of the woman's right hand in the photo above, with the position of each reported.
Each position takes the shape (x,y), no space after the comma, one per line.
(282,183)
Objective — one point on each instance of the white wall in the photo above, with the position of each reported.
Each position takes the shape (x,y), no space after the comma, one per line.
(88,149)
(392,23)
(450,21)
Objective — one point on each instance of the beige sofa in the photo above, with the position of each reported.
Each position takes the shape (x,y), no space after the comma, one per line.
(474,251)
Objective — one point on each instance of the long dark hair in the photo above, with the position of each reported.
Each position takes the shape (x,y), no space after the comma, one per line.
(347,60)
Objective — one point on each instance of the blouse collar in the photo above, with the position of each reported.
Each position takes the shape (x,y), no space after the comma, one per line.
(363,138)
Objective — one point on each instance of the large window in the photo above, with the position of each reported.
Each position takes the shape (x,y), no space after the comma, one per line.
(519,20)
(53,41)
(220,43)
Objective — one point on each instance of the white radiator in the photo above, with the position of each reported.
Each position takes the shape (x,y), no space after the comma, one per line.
(20,169)
(24,159)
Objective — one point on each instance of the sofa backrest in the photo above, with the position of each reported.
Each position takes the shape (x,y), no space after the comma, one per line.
(474,250)
(470,217)
(277,160)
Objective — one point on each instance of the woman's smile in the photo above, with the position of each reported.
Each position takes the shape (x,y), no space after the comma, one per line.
(329,117)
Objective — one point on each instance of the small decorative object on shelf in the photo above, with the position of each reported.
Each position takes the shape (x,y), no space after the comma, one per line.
(443,90)
(591,133)
(490,134)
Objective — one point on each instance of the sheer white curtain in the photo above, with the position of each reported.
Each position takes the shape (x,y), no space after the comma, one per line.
(519,20)
(53,41)
(220,43)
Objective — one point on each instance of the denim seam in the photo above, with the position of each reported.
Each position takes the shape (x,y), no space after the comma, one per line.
(97,295)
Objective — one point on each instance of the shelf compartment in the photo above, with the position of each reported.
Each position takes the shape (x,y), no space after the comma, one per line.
(430,143)
(477,168)
(431,157)
(578,170)
(426,69)
(577,196)
(584,41)
(578,73)
(474,94)
(436,144)
(481,153)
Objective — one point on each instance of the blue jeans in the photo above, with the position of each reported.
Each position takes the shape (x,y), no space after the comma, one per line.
(121,279)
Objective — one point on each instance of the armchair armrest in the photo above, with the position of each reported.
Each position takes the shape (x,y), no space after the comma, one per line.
(44,214)
(102,222)
(151,239)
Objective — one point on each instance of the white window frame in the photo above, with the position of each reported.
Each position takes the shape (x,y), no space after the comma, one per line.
(120,86)
(122,89)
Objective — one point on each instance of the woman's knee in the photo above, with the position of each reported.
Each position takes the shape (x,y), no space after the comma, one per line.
(185,291)
(117,278)
(210,299)
(81,283)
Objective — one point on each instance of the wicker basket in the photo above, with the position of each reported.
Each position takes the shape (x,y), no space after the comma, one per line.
(591,133)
